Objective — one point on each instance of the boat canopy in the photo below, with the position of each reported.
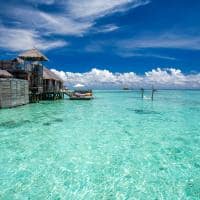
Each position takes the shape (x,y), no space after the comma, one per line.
(79,86)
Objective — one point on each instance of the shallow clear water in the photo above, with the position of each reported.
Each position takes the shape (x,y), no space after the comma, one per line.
(114,147)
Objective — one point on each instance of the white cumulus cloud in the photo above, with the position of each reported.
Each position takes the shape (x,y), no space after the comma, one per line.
(159,78)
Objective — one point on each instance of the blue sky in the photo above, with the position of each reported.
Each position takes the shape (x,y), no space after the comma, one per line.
(118,35)
(108,42)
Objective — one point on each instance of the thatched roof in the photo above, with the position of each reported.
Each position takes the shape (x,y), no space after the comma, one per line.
(49,75)
(5,74)
(33,55)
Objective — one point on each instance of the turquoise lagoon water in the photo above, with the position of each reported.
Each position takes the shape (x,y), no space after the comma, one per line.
(114,147)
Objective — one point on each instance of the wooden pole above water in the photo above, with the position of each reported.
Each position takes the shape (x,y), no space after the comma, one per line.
(142,93)
(152,93)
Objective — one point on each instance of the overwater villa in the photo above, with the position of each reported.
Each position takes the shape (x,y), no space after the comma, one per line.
(25,79)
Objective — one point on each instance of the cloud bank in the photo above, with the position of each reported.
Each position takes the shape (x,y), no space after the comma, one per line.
(168,78)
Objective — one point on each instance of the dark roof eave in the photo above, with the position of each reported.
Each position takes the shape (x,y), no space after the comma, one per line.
(33,58)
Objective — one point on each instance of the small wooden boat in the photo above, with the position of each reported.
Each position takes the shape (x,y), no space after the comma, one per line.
(81,95)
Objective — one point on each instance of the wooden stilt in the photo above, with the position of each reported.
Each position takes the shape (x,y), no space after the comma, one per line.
(152,93)
(142,93)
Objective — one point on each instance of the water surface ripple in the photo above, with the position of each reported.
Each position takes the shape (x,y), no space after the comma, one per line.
(114,147)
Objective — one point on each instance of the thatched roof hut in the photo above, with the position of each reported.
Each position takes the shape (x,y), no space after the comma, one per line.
(5,74)
(33,55)
(49,75)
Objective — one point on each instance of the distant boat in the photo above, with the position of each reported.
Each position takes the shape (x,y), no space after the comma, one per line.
(125,88)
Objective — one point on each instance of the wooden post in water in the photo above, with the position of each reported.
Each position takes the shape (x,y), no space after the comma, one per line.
(142,93)
(152,93)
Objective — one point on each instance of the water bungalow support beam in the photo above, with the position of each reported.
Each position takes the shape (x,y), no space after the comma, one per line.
(52,96)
